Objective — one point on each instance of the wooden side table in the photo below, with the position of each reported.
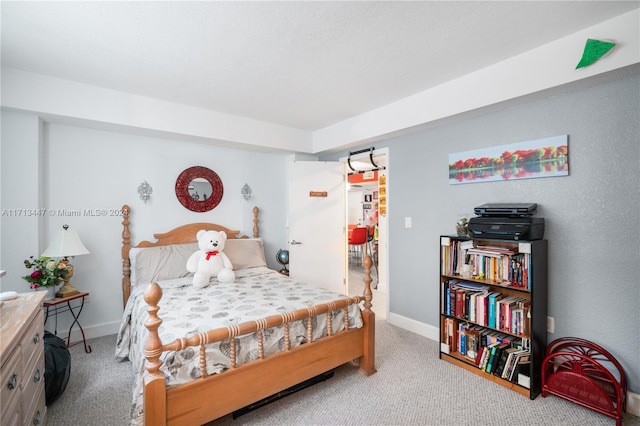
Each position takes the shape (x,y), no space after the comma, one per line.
(63,304)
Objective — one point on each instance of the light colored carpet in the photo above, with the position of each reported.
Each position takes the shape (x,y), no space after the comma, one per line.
(412,387)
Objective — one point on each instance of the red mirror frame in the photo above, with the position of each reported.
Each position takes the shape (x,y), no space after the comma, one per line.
(182,189)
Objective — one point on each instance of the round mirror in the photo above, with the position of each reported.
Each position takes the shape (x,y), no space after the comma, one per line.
(199,189)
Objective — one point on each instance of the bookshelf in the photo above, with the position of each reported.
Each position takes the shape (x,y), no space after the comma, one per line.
(493,312)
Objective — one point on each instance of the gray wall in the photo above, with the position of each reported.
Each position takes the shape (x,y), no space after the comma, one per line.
(592,216)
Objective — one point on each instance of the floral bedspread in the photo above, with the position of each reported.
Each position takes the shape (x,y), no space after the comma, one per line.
(185,311)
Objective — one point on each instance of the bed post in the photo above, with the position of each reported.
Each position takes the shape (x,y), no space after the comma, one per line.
(256,231)
(155,392)
(126,263)
(368,360)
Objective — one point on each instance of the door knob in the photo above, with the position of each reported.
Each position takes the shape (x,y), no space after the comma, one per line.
(294,242)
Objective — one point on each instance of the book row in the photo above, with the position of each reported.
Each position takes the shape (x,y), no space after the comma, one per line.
(475,303)
(499,264)
(501,355)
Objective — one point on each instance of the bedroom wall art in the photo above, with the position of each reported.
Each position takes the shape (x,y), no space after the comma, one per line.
(199,189)
(548,157)
(593,51)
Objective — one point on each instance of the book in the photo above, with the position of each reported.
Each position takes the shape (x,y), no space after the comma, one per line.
(452,300)
(479,356)
(491,364)
(451,332)
(487,354)
(526,320)
(446,302)
(502,312)
(462,339)
(502,362)
(466,312)
(492,354)
(522,358)
(459,313)
(481,306)
(493,299)
(506,372)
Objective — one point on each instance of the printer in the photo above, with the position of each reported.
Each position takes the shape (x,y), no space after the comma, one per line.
(506,222)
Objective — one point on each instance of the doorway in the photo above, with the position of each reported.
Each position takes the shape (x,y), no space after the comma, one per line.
(367,205)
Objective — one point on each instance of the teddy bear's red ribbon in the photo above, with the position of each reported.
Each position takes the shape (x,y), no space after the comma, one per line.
(211,253)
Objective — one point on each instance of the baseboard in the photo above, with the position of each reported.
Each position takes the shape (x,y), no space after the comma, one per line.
(422,329)
(633,404)
(89,332)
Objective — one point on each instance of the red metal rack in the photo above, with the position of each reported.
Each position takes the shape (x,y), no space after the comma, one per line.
(583,372)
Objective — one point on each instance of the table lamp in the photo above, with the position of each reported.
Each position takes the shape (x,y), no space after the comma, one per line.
(64,244)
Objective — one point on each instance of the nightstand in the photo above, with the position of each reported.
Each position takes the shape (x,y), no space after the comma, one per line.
(63,304)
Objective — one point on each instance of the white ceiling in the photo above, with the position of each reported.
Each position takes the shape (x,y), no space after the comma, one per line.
(304,65)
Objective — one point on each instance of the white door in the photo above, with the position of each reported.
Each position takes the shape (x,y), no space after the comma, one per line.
(316,224)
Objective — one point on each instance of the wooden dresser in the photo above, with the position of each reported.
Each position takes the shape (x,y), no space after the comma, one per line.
(22,359)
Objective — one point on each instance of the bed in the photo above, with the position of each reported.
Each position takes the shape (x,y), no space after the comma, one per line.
(200,354)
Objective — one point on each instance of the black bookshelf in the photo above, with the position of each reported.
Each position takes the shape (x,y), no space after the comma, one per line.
(517,272)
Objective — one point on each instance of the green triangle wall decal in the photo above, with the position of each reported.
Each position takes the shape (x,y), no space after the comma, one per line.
(594,50)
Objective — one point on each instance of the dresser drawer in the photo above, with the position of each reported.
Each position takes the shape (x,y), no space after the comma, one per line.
(11,376)
(38,413)
(32,342)
(11,413)
(33,381)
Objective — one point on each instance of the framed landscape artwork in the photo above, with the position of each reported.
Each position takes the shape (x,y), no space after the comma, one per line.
(548,157)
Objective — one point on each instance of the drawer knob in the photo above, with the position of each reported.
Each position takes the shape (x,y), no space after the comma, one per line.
(37,376)
(36,338)
(37,418)
(13,382)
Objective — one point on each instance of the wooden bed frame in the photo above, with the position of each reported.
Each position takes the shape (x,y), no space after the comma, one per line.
(213,396)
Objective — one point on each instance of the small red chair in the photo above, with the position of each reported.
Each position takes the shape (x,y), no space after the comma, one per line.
(357,242)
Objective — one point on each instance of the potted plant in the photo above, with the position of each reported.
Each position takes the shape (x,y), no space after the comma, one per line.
(47,273)
(462,226)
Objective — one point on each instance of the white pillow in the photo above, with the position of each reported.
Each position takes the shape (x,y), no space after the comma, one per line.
(169,262)
(160,263)
(245,253)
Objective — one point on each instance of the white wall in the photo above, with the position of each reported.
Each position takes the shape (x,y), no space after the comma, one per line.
(94,170)
(21,177)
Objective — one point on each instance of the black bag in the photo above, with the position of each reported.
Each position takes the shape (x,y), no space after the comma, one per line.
(57,366)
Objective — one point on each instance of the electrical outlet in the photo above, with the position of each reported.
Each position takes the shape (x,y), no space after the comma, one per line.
(87,299)
(551,324)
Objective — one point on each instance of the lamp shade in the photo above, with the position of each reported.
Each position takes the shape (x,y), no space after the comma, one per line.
(64,244)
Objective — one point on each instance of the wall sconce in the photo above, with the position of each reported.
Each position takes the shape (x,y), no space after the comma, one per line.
(246,192)
(145,191)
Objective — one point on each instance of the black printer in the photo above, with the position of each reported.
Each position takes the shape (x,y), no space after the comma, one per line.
(506,222)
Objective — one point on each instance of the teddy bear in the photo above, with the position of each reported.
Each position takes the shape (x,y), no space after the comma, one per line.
(210,260)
